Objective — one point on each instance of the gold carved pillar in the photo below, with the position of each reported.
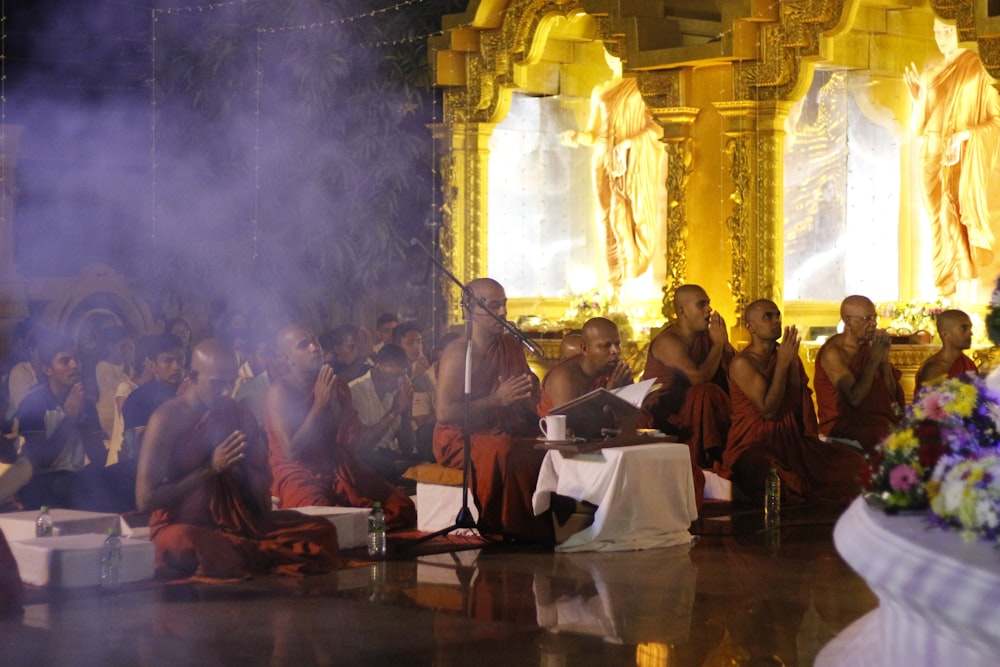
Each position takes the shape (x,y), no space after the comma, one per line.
(464,239)
(676,123)
(663,92)
(754,141)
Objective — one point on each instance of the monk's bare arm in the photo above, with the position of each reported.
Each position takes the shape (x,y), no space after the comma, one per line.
(854,389)
(297,433)
(450,396)
(935,367)
(670,351)
(155,486)
(561,386)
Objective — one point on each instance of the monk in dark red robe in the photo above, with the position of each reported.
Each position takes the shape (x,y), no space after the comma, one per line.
(314,434)
(503,420)
(774,424)
(203,475)
(690,359)
(857,389)
(955,330)
(599,364)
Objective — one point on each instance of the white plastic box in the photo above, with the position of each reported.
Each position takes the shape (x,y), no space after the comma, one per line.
(17,526)
(351,523)
(72,561)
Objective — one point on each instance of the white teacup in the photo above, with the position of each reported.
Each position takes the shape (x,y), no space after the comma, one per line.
(553,427)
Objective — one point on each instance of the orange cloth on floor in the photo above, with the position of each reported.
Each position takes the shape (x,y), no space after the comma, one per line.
(331,473)
(868,423)
(224,527)
(810,469)
(504,466)
(960,366)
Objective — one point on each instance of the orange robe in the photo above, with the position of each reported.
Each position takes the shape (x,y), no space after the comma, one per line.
(699,414)
(224,527)
(505,463)
(810,469)
(960,366)
(868,423)
(332,474)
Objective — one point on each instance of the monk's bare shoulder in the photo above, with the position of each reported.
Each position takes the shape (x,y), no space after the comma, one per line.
(668,348)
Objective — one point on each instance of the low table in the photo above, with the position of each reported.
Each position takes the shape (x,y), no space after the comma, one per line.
(937,594)
(644,495)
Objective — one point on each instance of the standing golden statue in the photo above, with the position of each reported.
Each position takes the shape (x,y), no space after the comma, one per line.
(627,172)
(957,115)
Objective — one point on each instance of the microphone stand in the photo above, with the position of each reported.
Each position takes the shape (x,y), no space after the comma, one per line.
(464,518)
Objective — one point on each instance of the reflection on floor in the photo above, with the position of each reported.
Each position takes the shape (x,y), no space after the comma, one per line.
(736,596)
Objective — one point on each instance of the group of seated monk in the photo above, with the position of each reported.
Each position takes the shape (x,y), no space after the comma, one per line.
(210,468)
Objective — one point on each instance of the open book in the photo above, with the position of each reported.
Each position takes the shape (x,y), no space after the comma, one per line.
(601,409)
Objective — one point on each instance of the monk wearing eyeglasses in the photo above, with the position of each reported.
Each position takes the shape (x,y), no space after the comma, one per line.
(857,390)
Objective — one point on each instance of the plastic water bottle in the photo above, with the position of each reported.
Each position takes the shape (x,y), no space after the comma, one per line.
(111,562)
(43,524)
(772,499)
(376,531)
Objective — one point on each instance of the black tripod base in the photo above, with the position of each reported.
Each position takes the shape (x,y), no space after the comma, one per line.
(463,520)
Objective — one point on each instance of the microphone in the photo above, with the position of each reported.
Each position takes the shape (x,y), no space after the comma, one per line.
(511,329)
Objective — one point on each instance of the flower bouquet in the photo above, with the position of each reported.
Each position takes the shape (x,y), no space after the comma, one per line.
(948,424)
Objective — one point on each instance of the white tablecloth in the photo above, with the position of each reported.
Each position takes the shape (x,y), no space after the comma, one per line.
(644,495)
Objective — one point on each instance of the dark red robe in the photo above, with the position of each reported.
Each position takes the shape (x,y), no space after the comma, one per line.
(960,366)
(224,527)
(810,469)
(698,414)
(331,473)
(505,463)
(868,423)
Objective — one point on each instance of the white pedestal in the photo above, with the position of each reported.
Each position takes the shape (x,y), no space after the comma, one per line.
(17,526)
(438,506)
(72,561)
(351,523)
(938,594)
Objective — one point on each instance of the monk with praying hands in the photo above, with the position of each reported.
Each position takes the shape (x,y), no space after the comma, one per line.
(203,474)
(774,424)
(598,365)
(314,434)
(503,419)
(690,359)
(955,330)
(857,389)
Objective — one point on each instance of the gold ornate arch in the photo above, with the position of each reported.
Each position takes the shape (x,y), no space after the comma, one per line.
(765,51)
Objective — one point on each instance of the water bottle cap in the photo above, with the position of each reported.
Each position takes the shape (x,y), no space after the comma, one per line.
(773,469)
(378,504)
(45,509)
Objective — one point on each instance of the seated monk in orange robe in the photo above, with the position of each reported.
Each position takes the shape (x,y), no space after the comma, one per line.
(503,420)
(690,358)
(857,389)
(203,474)
(314,433)
(774,424)
(955,330)
(598,365)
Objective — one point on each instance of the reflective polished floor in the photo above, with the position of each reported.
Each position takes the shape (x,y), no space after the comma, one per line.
(737,595)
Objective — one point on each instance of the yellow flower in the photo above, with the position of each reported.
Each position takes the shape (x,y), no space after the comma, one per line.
(965,400)
(901,441)
(933,487)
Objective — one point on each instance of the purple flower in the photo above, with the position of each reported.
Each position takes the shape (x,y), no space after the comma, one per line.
(903,478)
